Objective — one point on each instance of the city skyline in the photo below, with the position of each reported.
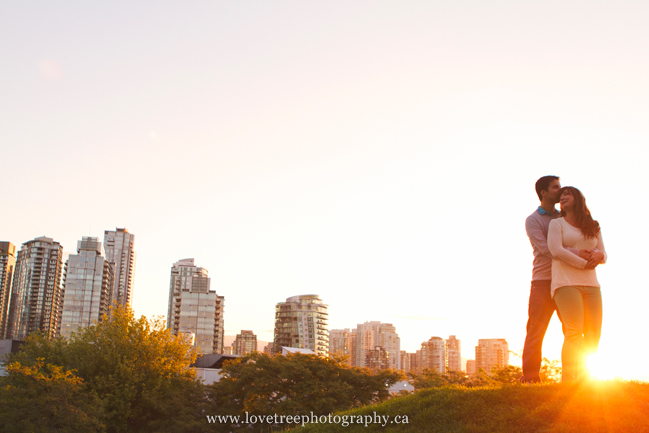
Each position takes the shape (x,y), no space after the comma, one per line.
(96,271)
(380,155)
(221,335)
(88,279)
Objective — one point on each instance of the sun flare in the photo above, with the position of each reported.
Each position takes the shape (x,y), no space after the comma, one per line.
(602,368)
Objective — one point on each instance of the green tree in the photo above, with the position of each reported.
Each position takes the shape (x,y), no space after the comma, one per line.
(456,377)
(428,378)
(44,398)
(506,374)
(431,378)
(136,367)
(296,384)
(480,378)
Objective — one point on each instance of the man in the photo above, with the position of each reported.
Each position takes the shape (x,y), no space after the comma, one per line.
(541,305)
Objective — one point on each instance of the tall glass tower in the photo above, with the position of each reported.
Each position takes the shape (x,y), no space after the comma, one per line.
(118,246)
(36,297)
(194,309)
(88,287)
(7,266)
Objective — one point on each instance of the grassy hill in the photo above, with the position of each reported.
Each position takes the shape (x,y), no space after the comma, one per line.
(611,406)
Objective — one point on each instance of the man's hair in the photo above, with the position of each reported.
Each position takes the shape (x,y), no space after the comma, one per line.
(543,184)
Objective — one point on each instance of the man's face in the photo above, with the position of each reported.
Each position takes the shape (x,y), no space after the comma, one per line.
(553,191)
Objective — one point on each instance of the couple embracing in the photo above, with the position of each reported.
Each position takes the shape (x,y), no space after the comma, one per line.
(567,248)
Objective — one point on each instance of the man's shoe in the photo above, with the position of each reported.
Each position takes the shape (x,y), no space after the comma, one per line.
(528,381)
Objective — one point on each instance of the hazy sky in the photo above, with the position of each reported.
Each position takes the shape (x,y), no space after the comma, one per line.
(379,154)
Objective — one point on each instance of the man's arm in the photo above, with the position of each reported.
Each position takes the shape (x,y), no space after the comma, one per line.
(537,238)
(540,241)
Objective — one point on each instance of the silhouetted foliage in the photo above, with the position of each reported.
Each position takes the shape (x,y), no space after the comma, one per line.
(550,371)
(506,374)
(43,398)
(138,371)
(431,378)
(296,384)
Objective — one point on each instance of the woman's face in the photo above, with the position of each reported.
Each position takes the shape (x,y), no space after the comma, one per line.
(567,200)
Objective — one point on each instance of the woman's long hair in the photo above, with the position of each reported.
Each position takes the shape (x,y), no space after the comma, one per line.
(588,226)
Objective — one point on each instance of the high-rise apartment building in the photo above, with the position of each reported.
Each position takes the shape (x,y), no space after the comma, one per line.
(377,359)
(193,307)
(433,355)
(244,343)
(405,361)
(415,360)
(118,246)
(7,266)
(490,353)
(369,335)
(268,349)
(454,354)
(301,322)
(341,342)
(36,297)
(470,367)
(87,287)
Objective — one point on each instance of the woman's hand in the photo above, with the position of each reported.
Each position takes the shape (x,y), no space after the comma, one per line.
(593,257)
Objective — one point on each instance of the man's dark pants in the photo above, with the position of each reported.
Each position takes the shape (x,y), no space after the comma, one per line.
(541,308)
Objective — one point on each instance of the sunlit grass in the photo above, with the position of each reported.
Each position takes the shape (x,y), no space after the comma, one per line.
(593,406)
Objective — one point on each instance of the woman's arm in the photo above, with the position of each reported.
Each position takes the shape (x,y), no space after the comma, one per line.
(555,244)
(599,249)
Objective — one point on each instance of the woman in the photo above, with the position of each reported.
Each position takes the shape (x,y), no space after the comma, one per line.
(575,288)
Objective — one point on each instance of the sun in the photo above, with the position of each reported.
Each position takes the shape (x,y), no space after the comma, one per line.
(599,368)
(608,367)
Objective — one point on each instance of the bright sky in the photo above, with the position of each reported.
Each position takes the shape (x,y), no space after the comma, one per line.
(379,154)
